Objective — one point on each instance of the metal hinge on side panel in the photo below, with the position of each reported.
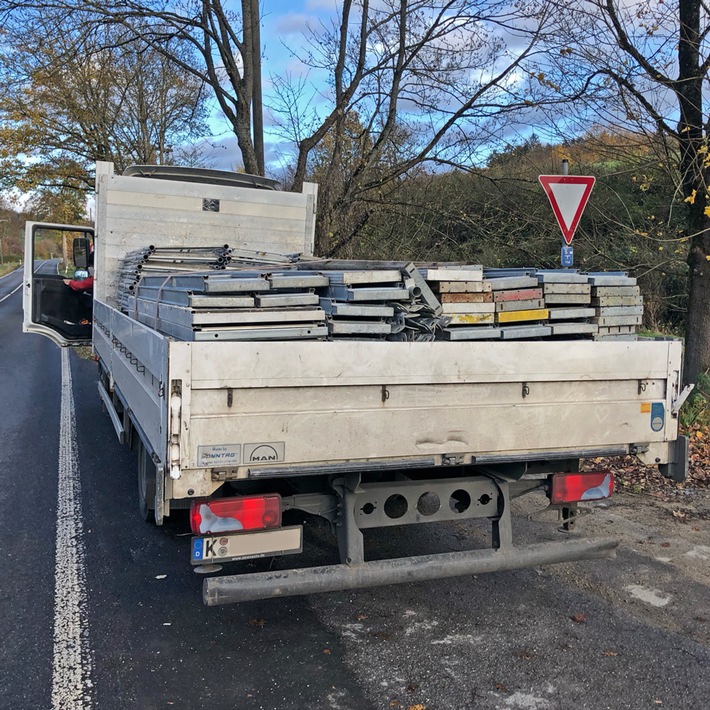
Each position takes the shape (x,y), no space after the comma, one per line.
(453,460)
(175,419)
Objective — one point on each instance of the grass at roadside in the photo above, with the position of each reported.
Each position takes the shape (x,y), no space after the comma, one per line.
(8,267)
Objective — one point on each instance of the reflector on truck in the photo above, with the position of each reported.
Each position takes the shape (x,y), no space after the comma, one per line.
(576,487)
(234,514)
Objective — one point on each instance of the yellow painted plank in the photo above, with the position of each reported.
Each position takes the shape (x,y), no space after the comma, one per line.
(472,318)
(514,316)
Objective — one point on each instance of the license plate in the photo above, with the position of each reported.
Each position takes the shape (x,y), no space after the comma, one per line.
(246,546)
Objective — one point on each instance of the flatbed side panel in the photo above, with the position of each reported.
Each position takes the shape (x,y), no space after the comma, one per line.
(136,358)
(304,364)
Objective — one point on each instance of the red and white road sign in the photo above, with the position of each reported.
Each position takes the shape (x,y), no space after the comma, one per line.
(568,195)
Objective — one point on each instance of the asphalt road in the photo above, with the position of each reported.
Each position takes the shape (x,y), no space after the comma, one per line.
(533,639)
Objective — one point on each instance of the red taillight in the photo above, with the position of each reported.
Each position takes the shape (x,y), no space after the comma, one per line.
(574,487)
(230,514)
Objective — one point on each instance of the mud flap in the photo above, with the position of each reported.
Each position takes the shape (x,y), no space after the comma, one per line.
(677,467)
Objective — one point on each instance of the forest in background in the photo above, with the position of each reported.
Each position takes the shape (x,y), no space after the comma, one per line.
(499,216)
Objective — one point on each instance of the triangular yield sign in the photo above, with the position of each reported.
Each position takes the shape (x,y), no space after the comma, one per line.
(568,195)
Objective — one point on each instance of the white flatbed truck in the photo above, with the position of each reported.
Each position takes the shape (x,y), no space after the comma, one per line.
(361,433)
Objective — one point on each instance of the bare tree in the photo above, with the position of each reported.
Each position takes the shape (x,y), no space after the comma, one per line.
(72,93)
(441,74)
(223,41)
(644,67)
(431,83)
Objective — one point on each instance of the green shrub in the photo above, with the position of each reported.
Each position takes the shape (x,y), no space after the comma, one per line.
(696,410)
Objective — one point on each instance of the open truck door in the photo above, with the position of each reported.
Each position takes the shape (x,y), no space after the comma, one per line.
(53,253)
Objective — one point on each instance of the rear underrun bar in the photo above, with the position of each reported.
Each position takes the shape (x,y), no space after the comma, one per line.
(332,578)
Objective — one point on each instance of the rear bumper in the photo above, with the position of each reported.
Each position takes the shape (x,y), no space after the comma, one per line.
(331,578)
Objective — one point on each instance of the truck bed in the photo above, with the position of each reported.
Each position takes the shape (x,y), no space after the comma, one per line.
(255,410)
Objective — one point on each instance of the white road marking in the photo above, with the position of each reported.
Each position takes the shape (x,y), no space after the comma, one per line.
(4,298)
(456,638)
(418,626)
(73,660)
(526,701)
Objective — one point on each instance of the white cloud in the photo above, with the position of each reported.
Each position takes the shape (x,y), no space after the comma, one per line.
(323,5)
(294,24)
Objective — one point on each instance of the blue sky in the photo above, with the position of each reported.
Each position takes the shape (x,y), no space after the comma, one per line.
(284,27)
(285,31)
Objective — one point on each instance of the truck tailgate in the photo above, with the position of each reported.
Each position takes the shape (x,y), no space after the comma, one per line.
(292,404)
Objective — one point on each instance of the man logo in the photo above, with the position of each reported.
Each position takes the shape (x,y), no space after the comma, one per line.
(264,453)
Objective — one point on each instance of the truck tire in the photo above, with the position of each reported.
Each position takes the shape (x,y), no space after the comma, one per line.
(146,483)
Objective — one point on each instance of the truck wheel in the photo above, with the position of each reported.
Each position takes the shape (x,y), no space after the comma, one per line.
(146,483)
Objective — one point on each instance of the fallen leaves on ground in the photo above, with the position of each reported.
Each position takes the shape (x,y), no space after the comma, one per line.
(631,476)
(699,473)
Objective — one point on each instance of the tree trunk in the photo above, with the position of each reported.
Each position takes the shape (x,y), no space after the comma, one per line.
(693,173)
(697,339)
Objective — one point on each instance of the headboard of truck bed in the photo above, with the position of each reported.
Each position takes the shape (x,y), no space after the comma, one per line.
(133,212)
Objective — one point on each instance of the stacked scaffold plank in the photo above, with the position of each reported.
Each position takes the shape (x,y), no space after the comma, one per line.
(171,260)
(285,303)
(371,299)
(568,299)
(618,306)
(362,302)
(466,301)
(520,307)
(215,294)
(243,305)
